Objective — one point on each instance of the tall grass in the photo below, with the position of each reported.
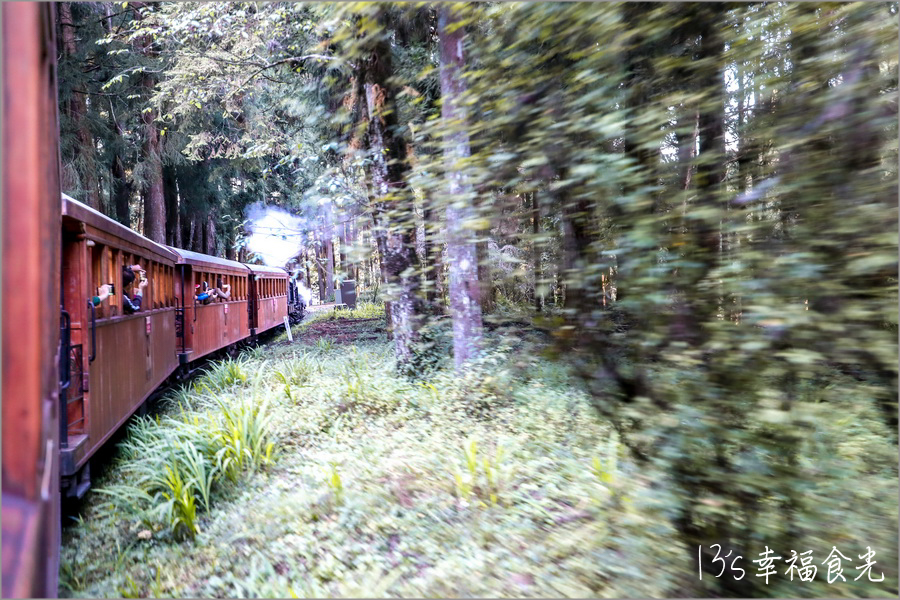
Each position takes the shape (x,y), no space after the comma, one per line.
(223,375)
(176,464)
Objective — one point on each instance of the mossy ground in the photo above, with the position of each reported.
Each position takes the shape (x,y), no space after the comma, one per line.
(500,482)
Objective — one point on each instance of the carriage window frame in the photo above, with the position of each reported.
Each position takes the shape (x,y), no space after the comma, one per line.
(107,261)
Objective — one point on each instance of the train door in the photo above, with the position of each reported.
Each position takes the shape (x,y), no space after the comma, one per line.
(185,314)
(80,315)
(252,300)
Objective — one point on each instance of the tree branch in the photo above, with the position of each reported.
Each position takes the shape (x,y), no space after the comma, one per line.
(290,59)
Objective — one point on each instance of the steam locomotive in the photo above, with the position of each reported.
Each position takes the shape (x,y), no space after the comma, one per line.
(74,371)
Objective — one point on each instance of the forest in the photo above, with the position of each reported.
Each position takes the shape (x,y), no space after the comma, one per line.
(630,267)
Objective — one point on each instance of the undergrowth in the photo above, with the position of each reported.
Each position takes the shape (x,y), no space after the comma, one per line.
(172,466)
(502,481)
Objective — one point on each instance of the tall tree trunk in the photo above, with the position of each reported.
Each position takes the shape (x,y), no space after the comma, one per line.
(77,110)
(318,254)
(380,237)
(120,191)
(179,211)
(154,197)
(329,269)
(432,257)
(170,192)
(536,250)
(342,250)
(329,252)
(465,302)
(308,281)
(485,276)
(389,171)
(192,234)
(210,244)
(351,235)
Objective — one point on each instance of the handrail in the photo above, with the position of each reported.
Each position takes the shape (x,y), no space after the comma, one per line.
(93,332)
(64,343)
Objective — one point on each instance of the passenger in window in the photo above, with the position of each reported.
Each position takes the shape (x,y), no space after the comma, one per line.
(104,291)
(222,290)
(203,296)
(133,298)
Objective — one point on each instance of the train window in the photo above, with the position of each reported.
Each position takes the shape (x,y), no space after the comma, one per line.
(126,259)
(147,302)
(156,285)
(160,284)
(113,267)
(97,275)
(150,289)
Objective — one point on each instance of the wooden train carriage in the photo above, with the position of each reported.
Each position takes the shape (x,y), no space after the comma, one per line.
(205,328)
(31,300)
(117,359)
(268,298)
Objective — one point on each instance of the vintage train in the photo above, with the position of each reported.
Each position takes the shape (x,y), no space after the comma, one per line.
(75,369)
(116,359)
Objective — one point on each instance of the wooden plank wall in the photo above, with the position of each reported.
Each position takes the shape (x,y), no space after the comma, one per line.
(130,364)
(30,292)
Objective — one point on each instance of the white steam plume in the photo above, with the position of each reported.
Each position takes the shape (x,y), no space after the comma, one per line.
(304,292)
(276,235)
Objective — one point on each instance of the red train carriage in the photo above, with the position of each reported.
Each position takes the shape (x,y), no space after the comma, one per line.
(117,359)
(205,328)
(30,230)
(268,298)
